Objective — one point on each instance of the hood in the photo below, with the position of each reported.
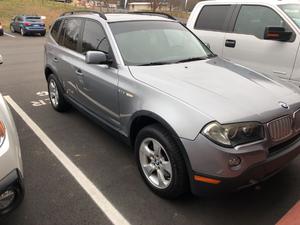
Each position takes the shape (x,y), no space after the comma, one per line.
(221,90)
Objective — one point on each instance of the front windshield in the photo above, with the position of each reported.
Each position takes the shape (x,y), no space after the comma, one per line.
(144,43)
(293,11)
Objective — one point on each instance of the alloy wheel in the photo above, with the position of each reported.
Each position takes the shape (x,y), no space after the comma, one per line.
(53,93)
(155,163)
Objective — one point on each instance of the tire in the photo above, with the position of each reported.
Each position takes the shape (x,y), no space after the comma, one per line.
(56,96)
(18,197)
(12,29)
(43,34)
(23,32)
(1,33)
(170,159)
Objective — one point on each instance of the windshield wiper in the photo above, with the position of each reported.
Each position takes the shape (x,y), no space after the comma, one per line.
(191,59)
(155,63)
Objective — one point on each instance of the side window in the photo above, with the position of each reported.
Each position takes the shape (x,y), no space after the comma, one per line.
(94,38)
(254,19)
(69,34)
(55,30)
(19,19)
(212,17)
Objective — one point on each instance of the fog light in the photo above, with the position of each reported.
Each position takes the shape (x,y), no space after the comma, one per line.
(234,161)
(6,199)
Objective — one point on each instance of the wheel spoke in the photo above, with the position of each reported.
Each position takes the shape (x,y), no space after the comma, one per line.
(166,165)
(149,168)
(147,151)
(161,178)
(156,148)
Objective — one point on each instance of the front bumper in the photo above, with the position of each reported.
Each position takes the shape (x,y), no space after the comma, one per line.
(257,164)
(13,180)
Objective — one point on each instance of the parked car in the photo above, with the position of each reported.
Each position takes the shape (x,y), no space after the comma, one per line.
(1,30)
(262,35)
(11,169)
(28,25)
(195,120)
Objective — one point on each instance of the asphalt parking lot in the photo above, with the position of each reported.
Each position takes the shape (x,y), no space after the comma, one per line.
(53,195)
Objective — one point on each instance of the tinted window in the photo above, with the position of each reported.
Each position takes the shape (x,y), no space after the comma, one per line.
(70,33)
(94,38)
(55,30)
(212,17)
(254,19)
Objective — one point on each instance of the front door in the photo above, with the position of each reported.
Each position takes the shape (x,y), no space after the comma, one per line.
(246,44)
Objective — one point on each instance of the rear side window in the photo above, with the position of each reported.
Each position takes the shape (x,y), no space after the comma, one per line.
(254,19)
(55,30)
(69,34)
(212,17)
(94,38)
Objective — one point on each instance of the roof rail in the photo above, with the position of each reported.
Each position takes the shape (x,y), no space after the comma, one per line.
(84,11)
(166,15)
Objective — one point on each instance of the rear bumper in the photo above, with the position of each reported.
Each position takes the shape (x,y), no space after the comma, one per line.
(35,30)
(250,177)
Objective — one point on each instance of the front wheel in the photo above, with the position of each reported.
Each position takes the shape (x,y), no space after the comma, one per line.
(12,29)
(10,199)
(160,162)
(57,99)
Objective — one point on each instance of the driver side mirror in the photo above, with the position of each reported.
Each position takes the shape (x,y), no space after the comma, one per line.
(277,34)
(96,57)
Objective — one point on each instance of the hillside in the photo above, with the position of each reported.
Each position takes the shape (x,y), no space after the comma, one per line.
(50,9)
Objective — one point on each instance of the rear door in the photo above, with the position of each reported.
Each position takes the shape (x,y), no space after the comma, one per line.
(246,44)
(68,59)
(211,25)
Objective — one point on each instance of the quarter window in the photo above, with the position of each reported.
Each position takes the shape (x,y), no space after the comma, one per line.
(212,18)
(94,38)
(254,19)
(55,30)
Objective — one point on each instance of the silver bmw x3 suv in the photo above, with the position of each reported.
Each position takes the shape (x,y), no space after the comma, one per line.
(197,122)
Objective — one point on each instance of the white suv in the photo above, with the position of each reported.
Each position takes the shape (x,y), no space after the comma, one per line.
(262,35)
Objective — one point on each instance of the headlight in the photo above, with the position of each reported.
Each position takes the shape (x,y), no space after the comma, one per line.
(231,135)
(2,133)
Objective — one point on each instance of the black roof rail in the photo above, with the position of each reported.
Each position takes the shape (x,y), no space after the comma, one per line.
(84,11)
(166,15)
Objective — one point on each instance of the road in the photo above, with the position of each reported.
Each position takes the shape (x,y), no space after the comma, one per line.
(53,195)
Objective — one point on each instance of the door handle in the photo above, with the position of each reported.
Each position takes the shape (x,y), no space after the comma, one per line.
(230,43)
(79,72)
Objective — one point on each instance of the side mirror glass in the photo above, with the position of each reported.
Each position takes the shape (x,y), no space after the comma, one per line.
(277,34)
(96,57)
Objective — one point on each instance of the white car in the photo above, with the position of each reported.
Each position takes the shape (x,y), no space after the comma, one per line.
(262,35)
(11,169)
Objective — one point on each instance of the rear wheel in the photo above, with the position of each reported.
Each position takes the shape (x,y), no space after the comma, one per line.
(160,162)
(43,34)
(23,32)
(57,99)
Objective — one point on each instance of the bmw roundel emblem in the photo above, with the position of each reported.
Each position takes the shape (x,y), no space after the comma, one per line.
(284,105)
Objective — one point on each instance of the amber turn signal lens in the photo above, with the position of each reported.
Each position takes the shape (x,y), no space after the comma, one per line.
(206,180)
(2,133)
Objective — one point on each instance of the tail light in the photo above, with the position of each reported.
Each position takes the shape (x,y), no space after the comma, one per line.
(27,24)
(2,133)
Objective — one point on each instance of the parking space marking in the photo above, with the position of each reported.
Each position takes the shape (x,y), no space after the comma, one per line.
(9,35)
(101,201)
